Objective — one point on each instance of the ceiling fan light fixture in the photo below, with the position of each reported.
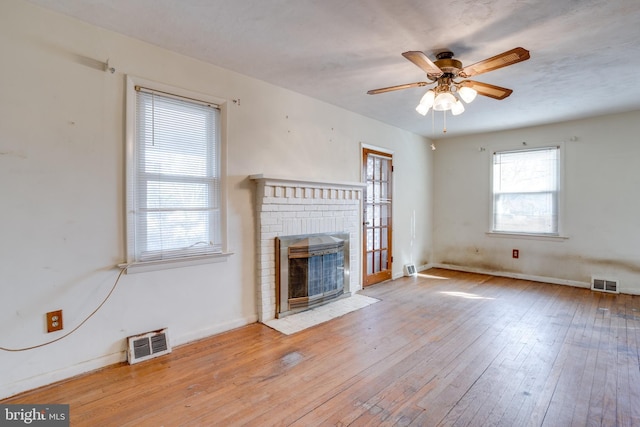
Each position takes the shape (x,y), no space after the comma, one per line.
(444,101)
(467,94)
(449,94)
(458,108)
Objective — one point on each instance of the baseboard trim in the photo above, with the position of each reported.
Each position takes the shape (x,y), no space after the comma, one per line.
(214,330)
(424,267)
(510,275)
(61,374)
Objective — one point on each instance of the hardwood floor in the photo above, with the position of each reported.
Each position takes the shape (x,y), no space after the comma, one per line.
(444,348)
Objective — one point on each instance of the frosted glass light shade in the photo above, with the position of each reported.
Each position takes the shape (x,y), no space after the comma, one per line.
(444,101)
(422,109)
(457,108)
(427,99)
(467,94)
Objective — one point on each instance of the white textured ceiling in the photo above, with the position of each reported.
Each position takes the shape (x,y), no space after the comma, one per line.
(585,54)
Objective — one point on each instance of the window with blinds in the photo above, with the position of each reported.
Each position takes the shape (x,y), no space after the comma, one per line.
(175,202)
(525,191)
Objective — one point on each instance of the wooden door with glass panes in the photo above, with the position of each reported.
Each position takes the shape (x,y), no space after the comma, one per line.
(377,257)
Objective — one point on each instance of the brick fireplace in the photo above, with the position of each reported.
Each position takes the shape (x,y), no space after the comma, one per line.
(287,207)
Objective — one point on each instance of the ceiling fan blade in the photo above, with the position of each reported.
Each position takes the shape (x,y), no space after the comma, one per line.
(504,59)
(424,63)
(495,92)
(392,88)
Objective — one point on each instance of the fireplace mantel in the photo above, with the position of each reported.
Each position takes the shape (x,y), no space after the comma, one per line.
(293,182)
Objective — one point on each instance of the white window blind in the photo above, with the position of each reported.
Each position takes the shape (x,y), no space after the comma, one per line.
(525,191)
(176,200)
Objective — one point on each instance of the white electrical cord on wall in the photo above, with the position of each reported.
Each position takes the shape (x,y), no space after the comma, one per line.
(113,288)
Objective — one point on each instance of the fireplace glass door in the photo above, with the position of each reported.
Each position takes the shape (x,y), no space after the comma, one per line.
(310,270)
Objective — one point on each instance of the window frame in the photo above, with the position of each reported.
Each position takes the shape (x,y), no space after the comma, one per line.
(559,199)
(132,264)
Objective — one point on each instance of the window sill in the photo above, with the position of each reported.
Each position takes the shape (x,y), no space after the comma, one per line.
(164,264)
(547,237)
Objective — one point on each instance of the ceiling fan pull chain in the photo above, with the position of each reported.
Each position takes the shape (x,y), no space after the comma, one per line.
(433,122)
(444,127)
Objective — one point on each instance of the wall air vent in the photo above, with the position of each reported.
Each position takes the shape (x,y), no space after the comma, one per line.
(604,285)
(410,270)
(147,346)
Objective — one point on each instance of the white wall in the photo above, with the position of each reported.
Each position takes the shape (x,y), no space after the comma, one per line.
(62,192)
(601,204)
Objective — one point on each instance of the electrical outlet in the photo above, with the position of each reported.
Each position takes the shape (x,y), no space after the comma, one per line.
(516,253)
(54,321)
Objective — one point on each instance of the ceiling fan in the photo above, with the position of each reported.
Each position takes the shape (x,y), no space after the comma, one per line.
(446,69)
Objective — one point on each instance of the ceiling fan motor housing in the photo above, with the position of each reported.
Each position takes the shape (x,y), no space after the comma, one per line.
(447,64)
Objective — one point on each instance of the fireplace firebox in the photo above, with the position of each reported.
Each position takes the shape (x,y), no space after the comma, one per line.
(311,270)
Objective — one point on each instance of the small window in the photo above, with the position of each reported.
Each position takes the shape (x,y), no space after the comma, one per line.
(174,181)
(525,191)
